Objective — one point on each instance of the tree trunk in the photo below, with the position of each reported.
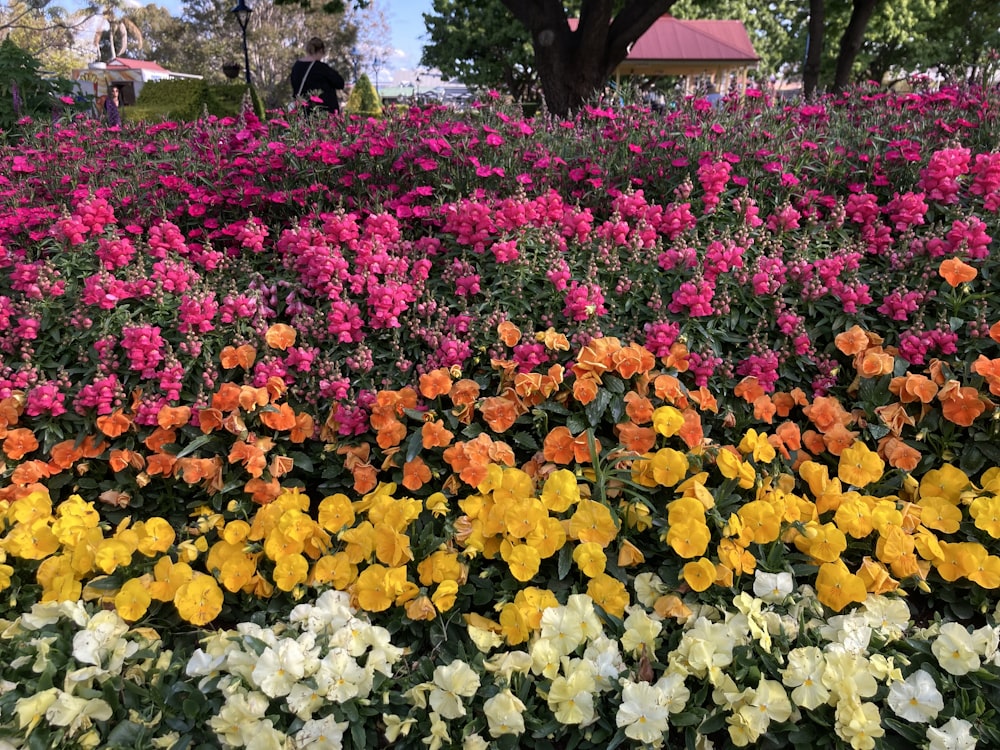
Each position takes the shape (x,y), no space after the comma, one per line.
(574,64)
(851,41)
(814,48)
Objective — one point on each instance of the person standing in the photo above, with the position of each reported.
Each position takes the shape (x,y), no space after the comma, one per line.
(311,74)
(112,115)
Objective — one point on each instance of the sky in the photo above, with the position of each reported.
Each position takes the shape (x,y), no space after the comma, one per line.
(407,22)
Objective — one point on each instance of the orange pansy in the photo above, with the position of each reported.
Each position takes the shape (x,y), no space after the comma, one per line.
(852,341)
(749,389)
(160,437)
(250,456)
(173,416)
(691,432)
(509,333)
(585,388)
(677,358)
(705,400)
(962,406)
(500,413)
(636,439)
(825,412)
(30,472)
(280,419)
(639,408)
(280,336)
(19,442)
(262,491)
(227,398)
(956,271)
(303,429)
(114,424)
(209,420)
(160,464)
(416,473)
(119,459)
(435,383)
(238,356)
(435,435)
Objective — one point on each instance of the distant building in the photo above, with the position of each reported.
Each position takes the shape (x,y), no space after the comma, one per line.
(122,73)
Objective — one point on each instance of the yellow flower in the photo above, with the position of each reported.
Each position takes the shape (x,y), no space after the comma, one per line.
(689,537)
(421,608)
(836,586)
(32,539)
(757,445)
(560,491)
(761,520)
(336,570)
(960,559)
(199,601)
(514,485)
(532,601)
(822,541)
(168,576)
(947,482)
(629,555)
(336,512)
(371,591)
(155,536)
(939,514)
(854,516)
(111,553)
(860,466)
(290,571)
(699,574)
(437,504)
(667,421)
(359,541)
(593,522)
(987,574)
(445,595)
(514,626)
(523,561)
(986,512)
(34,506)
(548,537)
(391,547)
(132,600)
(668,467)
(236,532)
(608,593)
(522,515)
(590,559)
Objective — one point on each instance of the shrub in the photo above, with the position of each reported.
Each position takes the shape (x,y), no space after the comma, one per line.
(364,99)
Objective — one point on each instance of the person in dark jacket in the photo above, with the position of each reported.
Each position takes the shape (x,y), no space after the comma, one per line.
(112,115)
(310,74)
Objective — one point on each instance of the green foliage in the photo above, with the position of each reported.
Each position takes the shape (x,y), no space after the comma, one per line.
(24,91)
(364,99)
(189,99)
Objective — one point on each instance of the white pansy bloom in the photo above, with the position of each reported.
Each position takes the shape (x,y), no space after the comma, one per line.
(328,614)
(571,696)
(342,678)
(279,668)
(439,733)
(641,632)
(848,675)
(606,660)
(858,723)
(641,714)
(507,663)
(321,734)
(397,726)
(30,710)
(504,714)
(955,649)
(563,628)
(353,637)
(917,698)
(804,674)
(452,682)
(303,700)
(475,742)
(263,736)
(235,720)
(674,694)
(850,631)
(986,640)
(204,664)
(99,639)
(648,588)
(382,653)
(889,616)
(954,734)
(773,587)
(76,713)
(545,658)
(49,613)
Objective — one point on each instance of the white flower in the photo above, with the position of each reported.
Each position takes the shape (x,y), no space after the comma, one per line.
(955,650)
(202,664)
(858,723)
(642,714)
(648,588)
(890,616)
(279,668)
(674,693)
(453,682)
(850,631)
(641,632)
(263,736)
(475,742)
(571,697)
(507,663)
(397,726)
(49,613)
(30,710)
(804,673)
(76,713)
(773,587)
(330,612)
(916,699)
(321,734)
(605,658)
(955,734)
(341,678)
(100,638)
(236,720)
(439,733)
(504,714)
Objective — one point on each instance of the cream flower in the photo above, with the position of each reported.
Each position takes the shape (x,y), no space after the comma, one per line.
(504,714)
(77,713)
(674,694)
(773,587)
(641,632)
(916,699)
(439,733)
(804,673)
(605,658)
(397,726)
(858,723)
(889,616)
(641,713)
(452,682)
(31,709)
(571,697)
(96,643)
(955,649)
(321,734)
(507,663)
(279,668)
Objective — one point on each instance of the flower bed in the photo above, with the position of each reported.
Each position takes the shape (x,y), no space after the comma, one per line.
(467,438)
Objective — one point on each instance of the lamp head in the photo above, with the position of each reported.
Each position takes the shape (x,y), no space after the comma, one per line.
(242,12)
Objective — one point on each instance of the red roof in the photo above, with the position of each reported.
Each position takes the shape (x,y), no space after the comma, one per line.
(672,38)
(124,62)
(678,40)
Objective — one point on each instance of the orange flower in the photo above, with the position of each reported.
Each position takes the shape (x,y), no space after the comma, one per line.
(838,438)
(30,472)
(677,358)
(962,406)
(913,387)
(668,388)
(435,383)
(250,398)
(705,400)
(160,437)
(251,456)
(500,413)
(160,464)
(553,341)
(955,271)
(280,336)
(636,439)
(595,358)
(238,356)
(209,420)
(114,424)
(509,333)
(194,470)
(852,341)
(19,442)
(281,419)
(691,432)
(749,389)
(786,438)
(280,465)
(638,408)
(391,433)
(463,395)
(173,416)
(305,427)
(585,388)
(813,442)
(262,491)
(64,454)
(558,446)
(435,435)
(120,459)
(895,417)
(633,360)
(227,398)
(764,409)
(415,474)
(874,362)
(995,332)
(825,412)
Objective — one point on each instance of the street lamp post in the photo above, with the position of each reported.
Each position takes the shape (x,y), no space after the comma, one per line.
(356,59)
(242,12)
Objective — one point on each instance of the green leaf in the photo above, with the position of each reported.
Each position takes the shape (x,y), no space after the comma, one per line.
(596,408)
(194,445)
(565,562)
(414,445)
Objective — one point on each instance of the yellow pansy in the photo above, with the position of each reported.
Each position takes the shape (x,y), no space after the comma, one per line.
(370,589)
(668,467)
(548,537)
(441,565)
(522,560)
(756,444)
(761,520)
(236,532)
(667,420)
(532,601)
(560,491)
(822,541)
(939,514)
(836,586)
(986,512)
(336,512)
(132,600)
(699,574)
(515,628)
(859,465)
(609,594)
(959,559)
(112,553)
(168,576)
(948,482)
(336,570)
(290,571)
(32,539)
(854,516)
(987,574)
(32,507)
(444,596)
(522,515)
(155,536)
(391,547)
(593,522)
(437,504)
(359,541)
(514,485)
(590,559)
(629,555)
(199,601)
(689,537)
